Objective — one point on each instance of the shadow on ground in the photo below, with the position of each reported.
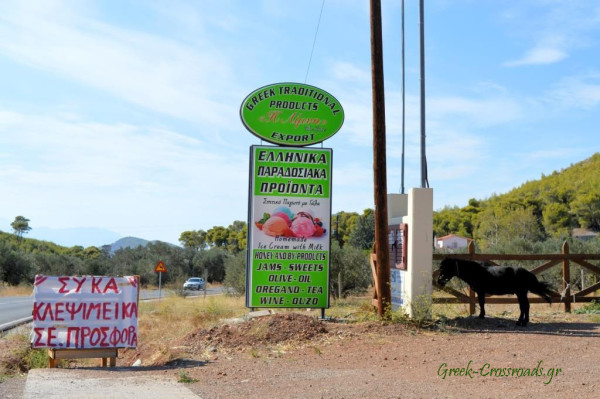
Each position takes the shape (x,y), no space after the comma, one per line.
(474,324)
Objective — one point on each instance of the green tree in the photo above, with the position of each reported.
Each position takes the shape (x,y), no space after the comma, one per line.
(235,273)
(363,233)
(217,236)
(557,219)
(195,239)
(349,270)
(20,226)
(342,224)
(237,236)
(503,223)
(587,209)
(213,262)
(15,265)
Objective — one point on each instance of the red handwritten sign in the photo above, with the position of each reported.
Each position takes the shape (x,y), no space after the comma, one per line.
(85,312)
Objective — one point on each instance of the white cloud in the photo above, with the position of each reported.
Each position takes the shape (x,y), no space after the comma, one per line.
(578,91)
(121,176)
(482,112)
(350,72)
(147,70)
(539,56)
(555,29)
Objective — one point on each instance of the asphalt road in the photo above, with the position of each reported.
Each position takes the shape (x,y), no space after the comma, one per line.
(16,308)
(13,308)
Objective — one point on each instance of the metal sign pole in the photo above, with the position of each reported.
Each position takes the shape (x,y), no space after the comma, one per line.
(159,285)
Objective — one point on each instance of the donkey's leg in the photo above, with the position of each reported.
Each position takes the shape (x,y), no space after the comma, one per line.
(524,307)
(481,298)
(526,302)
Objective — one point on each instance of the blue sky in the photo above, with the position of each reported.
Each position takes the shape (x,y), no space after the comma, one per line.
(123,116)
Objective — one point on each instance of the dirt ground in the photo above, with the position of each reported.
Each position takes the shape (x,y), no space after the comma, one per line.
(292,355)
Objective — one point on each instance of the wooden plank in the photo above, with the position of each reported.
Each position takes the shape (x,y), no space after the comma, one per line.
(588,298)
(373,261)
(106,355)
(588,290)
(506,300)
(456,293)
(82,353)
(545,266)
(452,300)
(548,257)
(588,266)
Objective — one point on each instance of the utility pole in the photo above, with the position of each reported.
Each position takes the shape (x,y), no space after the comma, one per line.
(424,178)
(403,98)
(379,163)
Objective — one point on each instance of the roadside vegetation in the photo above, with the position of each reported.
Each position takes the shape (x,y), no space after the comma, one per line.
(218,255)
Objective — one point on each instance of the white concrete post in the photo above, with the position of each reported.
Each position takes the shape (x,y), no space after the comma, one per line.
(397,207)
(416,280)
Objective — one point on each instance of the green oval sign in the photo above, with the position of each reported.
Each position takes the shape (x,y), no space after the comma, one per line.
(292,114)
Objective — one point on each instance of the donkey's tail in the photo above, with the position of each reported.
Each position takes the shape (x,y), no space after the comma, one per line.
(542,289)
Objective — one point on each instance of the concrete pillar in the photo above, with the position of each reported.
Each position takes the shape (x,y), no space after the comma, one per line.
(416,280)
(397,207)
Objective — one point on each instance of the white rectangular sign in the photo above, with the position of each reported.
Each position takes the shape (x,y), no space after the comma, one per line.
(85,312)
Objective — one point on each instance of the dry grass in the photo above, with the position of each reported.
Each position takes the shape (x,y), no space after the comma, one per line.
(185,314)
(166,320)
(15,290)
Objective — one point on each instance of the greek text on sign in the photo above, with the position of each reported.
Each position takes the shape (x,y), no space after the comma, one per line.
(85,312)
(292,114)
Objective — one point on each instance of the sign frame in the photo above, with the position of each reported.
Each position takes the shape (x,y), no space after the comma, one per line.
(81,312)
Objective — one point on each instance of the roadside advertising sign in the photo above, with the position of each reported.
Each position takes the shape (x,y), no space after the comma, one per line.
(292,114)
(85,312)
(289,227)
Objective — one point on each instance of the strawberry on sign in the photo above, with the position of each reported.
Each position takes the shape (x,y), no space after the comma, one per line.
(160,267)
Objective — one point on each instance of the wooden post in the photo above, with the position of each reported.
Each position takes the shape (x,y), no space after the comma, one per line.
(379,162)
(139,287)
(566,277)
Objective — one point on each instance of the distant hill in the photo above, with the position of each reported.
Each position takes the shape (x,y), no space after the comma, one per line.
(67,237)
(128,242)
(133,242)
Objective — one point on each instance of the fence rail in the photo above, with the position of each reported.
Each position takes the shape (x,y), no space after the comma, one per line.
(565,259)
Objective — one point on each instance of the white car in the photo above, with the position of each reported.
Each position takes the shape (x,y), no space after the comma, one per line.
(194,283)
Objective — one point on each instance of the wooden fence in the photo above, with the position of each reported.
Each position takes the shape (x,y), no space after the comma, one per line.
(567,296)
